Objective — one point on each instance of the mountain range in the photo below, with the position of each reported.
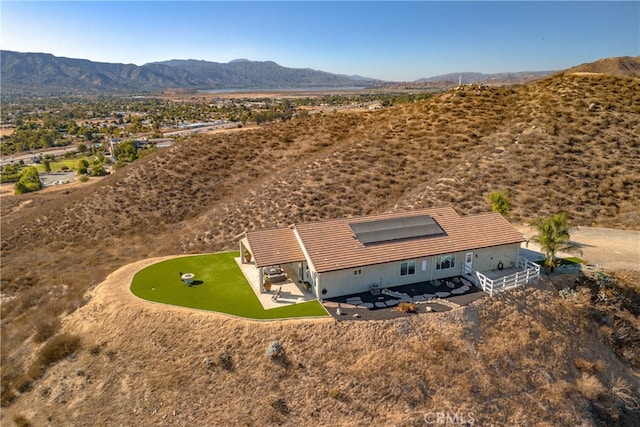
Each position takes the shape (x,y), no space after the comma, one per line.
(46,73)
(40,72)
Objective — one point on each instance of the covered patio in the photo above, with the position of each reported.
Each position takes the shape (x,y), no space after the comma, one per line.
(275,266)
(289,290)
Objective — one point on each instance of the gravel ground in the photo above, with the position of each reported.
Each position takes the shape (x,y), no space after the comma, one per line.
(609,248)
(350,312)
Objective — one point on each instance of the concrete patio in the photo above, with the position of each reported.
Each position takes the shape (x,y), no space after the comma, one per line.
(290,291)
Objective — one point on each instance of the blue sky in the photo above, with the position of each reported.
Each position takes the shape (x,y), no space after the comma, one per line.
(401,41)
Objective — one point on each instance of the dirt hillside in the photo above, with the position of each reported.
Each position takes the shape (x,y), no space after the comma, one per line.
(518,359)
(569,142)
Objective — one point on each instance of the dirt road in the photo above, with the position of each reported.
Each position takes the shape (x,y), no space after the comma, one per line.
(609,248)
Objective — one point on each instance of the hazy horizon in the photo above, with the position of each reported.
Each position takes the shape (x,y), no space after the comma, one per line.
(397,41)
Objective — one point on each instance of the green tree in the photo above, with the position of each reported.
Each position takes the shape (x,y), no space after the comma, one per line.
(127,151)
(97,169)
(47,165)
(29,181)
(83,166)
(500,202)
(554,235)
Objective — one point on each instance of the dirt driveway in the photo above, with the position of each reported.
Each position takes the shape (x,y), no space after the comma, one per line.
(609,248)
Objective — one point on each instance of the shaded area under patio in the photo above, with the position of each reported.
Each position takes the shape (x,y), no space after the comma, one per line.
(289,291)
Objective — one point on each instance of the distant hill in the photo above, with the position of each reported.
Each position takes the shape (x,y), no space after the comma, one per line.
(620,66)
(243,73)
(498,78)
(40,72)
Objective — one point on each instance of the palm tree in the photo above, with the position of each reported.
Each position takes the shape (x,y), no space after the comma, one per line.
(553,237)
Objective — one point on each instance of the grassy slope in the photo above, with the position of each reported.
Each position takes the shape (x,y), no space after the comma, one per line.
(577,149)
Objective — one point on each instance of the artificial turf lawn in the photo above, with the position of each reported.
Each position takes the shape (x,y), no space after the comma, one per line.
(219,285)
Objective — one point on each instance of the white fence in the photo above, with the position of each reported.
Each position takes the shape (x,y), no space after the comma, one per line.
(527,272)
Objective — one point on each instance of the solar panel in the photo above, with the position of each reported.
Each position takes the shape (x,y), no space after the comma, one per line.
(384,230)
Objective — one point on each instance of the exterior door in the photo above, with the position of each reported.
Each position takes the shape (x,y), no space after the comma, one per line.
(468,264)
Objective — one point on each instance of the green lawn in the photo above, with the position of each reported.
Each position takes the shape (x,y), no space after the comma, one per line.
(219,286)
(56,165)
(566,261)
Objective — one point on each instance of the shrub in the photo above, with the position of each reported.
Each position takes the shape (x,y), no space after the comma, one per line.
(83,178)
(53,351)
(7,396)
(566,293)
(590,387)
(583,365)
(621,389)
(406,307)
(335,393)
(224,360)
(280,405)
(45,328)
(21,421)
(500,202)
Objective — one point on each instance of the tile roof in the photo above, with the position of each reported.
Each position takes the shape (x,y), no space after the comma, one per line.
(274,246)
(332,244)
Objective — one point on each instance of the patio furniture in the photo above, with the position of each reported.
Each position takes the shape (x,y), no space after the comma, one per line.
(275,274)
(275,296)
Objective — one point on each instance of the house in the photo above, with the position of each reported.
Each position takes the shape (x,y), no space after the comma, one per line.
(353,255)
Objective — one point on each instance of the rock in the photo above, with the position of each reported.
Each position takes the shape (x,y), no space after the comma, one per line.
(356,315)
(274,350)
(207,362)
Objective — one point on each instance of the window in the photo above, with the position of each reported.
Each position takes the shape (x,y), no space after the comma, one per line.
(445,261)
(407,268)
(357,272)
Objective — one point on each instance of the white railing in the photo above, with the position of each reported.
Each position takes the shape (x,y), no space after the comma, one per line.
(528,272)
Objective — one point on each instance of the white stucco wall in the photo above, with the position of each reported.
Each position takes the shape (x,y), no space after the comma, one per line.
(345,282)
(489,258)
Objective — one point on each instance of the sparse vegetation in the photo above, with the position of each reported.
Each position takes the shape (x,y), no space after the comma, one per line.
(509,358)
(53,351)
